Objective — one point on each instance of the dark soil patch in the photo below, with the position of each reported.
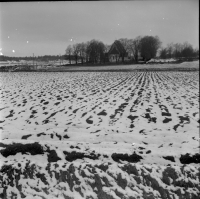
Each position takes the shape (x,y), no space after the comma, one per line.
(140,91)
(149,151)
(42,101)
(166,120)
(2,144)
(186,118)
(176,126)
(34,149)
(24,137)
(51,115)
(74,111)
(117,157)
(34,111)
(45,121)
(39,134)
(83,114)
(132,118)
(166,114)
(102,113)
(71,156)
(150,119)
(10,115)
(142,132)
(141,148)
(188,159)
(89,121)
(52,156)
(66,136)
(96,131)
(72,147)
(145,143)
(59,136)
(170,158)
(13,149)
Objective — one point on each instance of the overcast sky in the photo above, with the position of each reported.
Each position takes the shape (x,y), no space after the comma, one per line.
(47,28)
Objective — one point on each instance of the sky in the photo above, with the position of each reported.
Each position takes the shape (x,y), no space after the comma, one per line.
(47,28)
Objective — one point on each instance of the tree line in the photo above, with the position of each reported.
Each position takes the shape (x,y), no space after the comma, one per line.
(147,47)
(92,51)
(95,51)
(178,51)
(30,58)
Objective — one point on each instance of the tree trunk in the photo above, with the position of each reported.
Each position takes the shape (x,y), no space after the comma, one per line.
(136,58)
(122,58)
(70,59)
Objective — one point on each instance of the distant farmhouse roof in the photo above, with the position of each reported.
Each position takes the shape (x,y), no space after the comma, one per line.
(117,48)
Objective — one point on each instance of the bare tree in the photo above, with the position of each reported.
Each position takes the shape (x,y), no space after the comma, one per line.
(106,50)
(126,43)
(196,52)
(187,50)
(177,48)
(135,47)
(75,48)
(170,50)
(79,51)
(83,51)
(95,51)
(101,51)
(68,53)
(87,51)
(163,53)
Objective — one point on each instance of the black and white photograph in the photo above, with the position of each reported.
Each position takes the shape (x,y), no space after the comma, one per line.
(99,100)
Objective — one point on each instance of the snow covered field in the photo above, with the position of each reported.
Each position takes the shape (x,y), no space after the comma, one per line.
(185,65)
(99,135)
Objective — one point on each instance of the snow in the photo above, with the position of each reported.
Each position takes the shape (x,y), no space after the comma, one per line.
(161,64)
(152,114)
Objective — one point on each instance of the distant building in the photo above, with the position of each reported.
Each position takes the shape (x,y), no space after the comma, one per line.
(117,53)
